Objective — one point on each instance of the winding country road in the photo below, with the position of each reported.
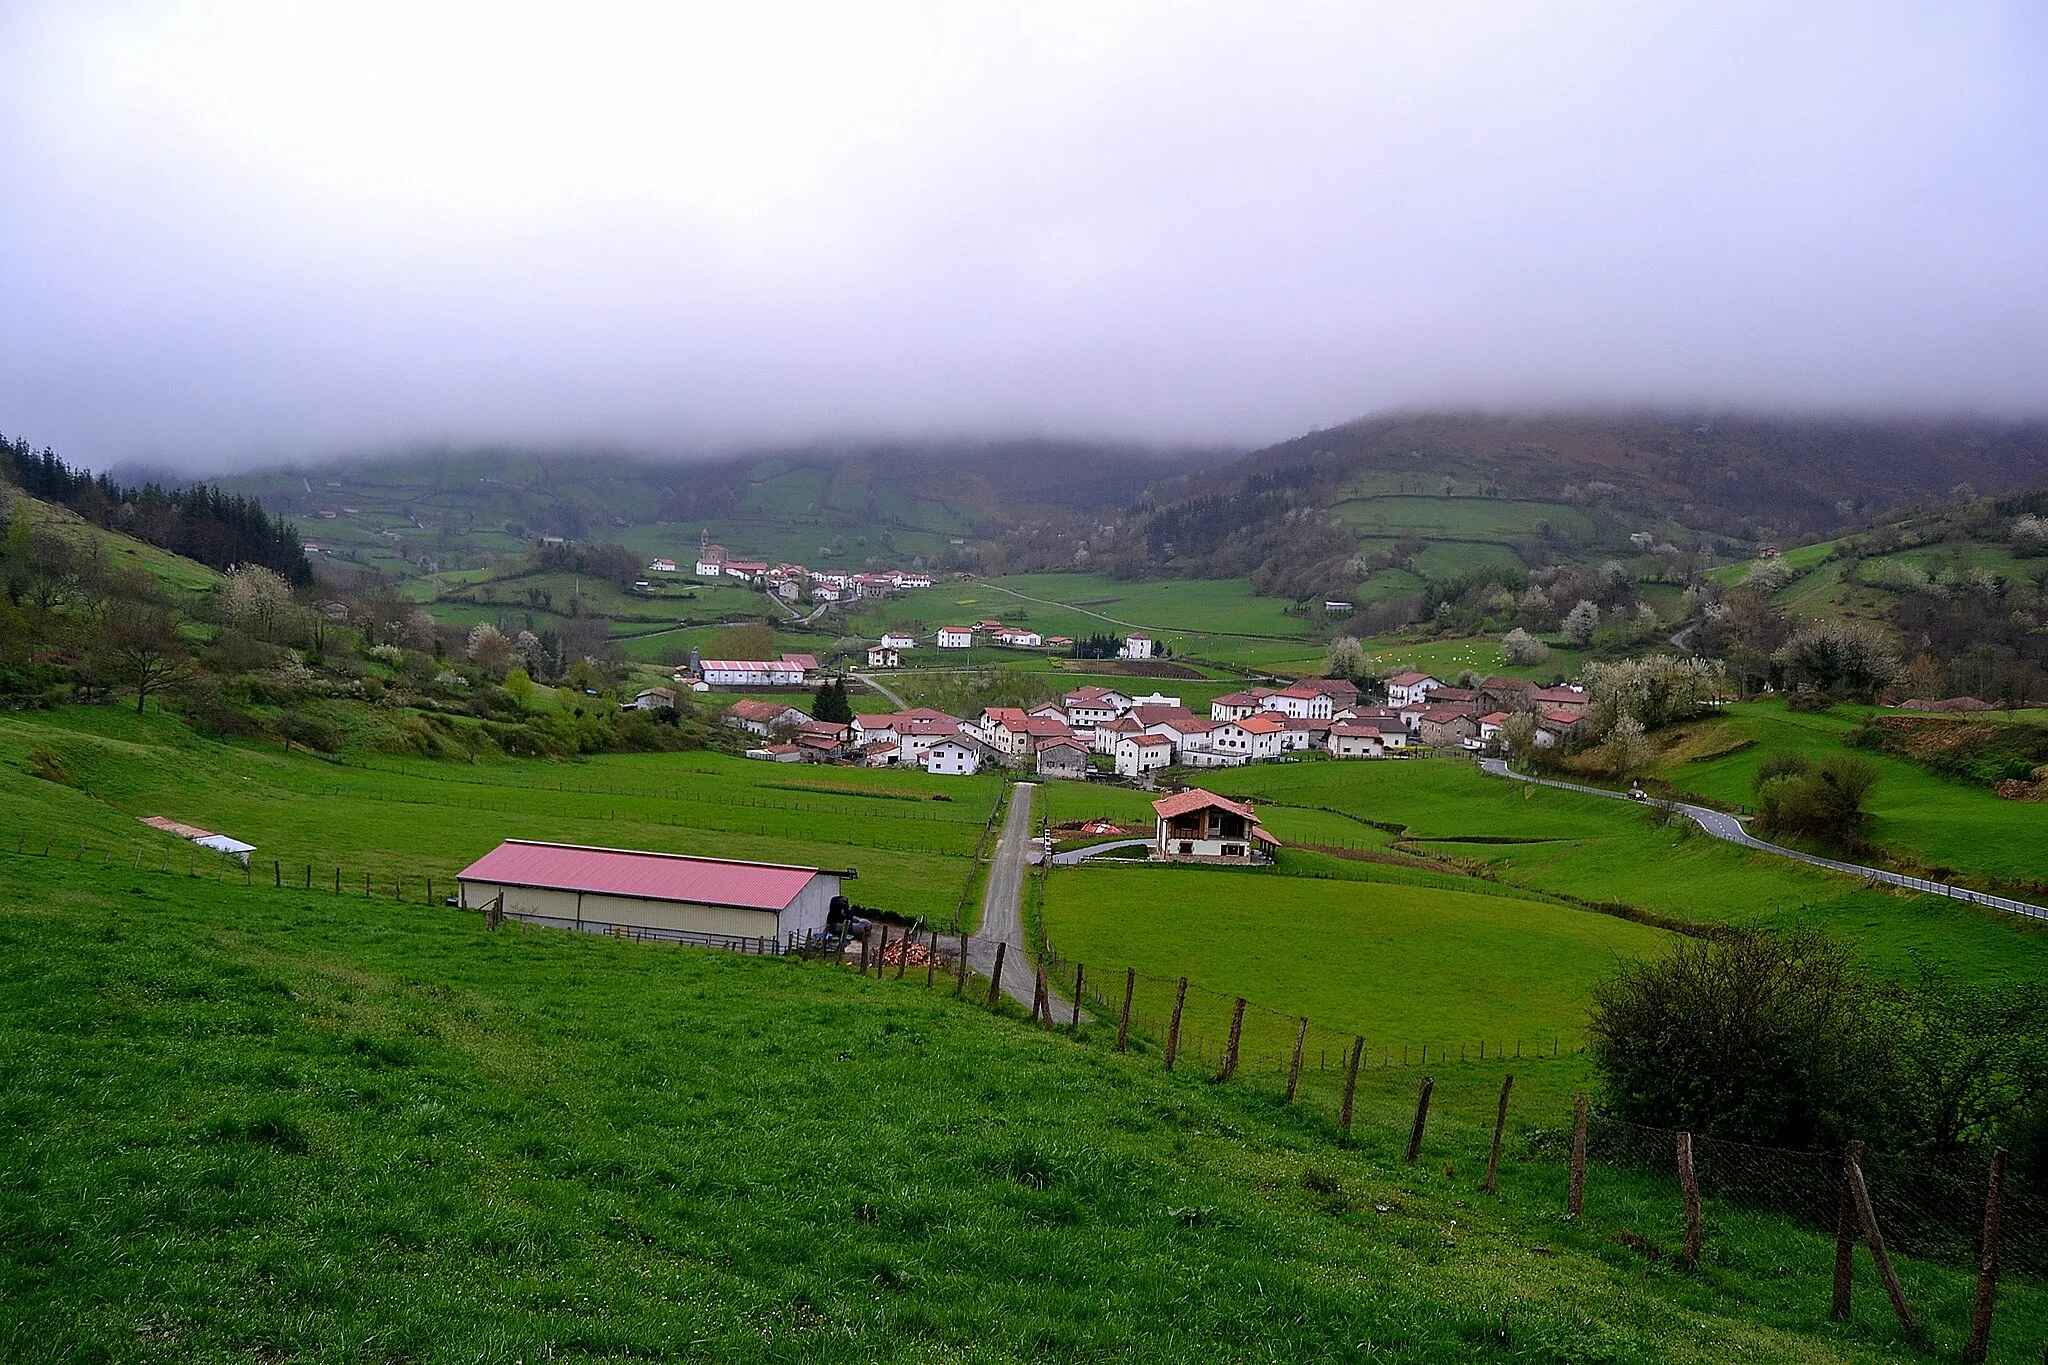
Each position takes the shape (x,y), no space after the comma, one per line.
(891,697)
(1722,825)
(1002,916)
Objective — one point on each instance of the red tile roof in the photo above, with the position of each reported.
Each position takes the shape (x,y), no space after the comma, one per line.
(648,876)
(761,711)
(1409,679)
(1180,803)
(1264,723)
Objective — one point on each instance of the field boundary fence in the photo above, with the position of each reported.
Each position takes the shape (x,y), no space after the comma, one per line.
(1690,1198)
(1687,1197)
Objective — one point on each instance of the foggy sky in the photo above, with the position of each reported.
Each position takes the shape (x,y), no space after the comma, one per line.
(241,232)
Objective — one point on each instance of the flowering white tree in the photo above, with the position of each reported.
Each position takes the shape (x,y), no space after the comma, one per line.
(1580,623)
(256,600)
(1518,646)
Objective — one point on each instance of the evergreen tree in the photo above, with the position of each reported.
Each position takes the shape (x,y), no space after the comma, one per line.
(830,702)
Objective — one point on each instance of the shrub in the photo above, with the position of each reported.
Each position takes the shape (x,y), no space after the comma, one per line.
(1824,802)
(1778,765)
(1761,1038)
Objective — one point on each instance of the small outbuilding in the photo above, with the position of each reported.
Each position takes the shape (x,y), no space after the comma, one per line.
(722,902)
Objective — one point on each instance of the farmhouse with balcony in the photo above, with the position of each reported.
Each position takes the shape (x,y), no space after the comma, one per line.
(881,656)
(1200,826)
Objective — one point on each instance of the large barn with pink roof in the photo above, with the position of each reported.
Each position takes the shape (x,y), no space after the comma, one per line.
(636,894)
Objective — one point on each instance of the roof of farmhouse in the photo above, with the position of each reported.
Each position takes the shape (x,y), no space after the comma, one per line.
(647,876)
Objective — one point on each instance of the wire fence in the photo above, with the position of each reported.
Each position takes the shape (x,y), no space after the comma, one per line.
(1689,1198)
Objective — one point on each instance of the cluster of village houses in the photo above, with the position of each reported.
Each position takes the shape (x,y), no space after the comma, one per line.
(793,582)
(1141,734)
(888,651)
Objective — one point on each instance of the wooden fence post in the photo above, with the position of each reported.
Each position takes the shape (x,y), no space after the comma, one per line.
(1500,1124)
(931,964)
(1874,1239)
(995,980)
(1173,1031)
(1845,1234)
(1350,1090)
(1421,1120)
(276,872)
(1074,1020)
(1575,1191)
(1236,1032)
(1294,1068)
(1987,1264)
(1689,1186)
(863,954)
(1123,1023)
(960,980)
(1041,999)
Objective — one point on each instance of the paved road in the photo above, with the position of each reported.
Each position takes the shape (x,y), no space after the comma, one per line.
(1002,915)
(1075,855)
(869,679)
(1722,825)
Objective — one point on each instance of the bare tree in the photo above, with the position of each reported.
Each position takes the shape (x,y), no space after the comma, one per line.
(144,651)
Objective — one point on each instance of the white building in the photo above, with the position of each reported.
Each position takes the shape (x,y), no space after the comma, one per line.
(662,566)
(951,758)
(1136,647)
(1303,702)
(881,656)
(1156,699)
(1355,741)
(1251,740)
(711,561)
(1088,707)
(1409,689)
(1140,754)
(896,639)
(956,637)
(751,673)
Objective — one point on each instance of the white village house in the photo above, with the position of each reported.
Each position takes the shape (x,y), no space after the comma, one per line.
(956,637)
(1136,647)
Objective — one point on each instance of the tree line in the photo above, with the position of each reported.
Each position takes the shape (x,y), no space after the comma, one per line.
(199,521)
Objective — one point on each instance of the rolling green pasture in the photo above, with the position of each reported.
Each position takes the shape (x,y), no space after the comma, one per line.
(1802,557)
(1446,659)
(417,818)
(1600,850)
(1398,963)
(390,1135)
(1214,618)
(1918,814)
(1501,519)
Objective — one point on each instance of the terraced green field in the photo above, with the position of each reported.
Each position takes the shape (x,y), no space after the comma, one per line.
(1502,519)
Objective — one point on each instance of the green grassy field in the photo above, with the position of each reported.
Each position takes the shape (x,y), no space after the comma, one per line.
(172,570)
(411,819)
(1467,518)
(390,1135)
(1920,815)
(1600,851)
